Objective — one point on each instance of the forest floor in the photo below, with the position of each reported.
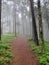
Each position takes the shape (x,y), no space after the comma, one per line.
(22,53)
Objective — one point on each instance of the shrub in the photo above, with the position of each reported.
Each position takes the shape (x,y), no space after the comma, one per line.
(5,53)
(42,57)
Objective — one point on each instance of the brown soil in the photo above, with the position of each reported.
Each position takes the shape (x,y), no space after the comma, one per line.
(22,54)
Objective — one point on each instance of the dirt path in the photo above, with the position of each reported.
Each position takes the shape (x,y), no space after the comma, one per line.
(22,53)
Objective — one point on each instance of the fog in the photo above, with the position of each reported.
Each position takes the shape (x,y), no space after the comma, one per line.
(19,11)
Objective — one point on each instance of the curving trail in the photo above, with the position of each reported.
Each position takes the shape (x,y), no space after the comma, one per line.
(22,54)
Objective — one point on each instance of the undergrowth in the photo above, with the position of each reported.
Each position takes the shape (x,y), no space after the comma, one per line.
(5,53)
(8,37)
(43,58)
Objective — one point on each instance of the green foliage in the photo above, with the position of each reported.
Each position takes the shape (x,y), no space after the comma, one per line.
(5,53)
(34,47)
(8,37)
(6,46)
(42,57)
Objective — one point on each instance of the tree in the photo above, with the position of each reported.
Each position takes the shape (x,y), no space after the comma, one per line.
(14,18)
(40,25)
(46,11)
(0,19)
(34,22)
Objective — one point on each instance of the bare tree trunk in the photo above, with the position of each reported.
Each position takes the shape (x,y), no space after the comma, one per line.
(40,26)
(40,22)
(46,11)
(14,18)
(0,19)
(34,22)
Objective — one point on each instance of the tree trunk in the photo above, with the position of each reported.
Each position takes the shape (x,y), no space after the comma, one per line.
(0,19)
(46,11)
(41,39)
(14,18)
(34,22)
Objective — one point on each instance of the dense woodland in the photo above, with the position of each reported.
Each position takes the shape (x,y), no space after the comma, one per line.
(28,18)
(21,21)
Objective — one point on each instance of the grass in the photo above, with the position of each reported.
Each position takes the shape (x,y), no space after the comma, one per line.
(8,37)
(5,48)
(43,58)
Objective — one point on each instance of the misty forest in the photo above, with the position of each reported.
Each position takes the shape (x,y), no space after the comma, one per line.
(24,32)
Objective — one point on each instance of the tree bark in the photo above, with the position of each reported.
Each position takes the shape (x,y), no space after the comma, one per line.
(46,11)
(14,18)
(0,19)
(34,22)
(41,39)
